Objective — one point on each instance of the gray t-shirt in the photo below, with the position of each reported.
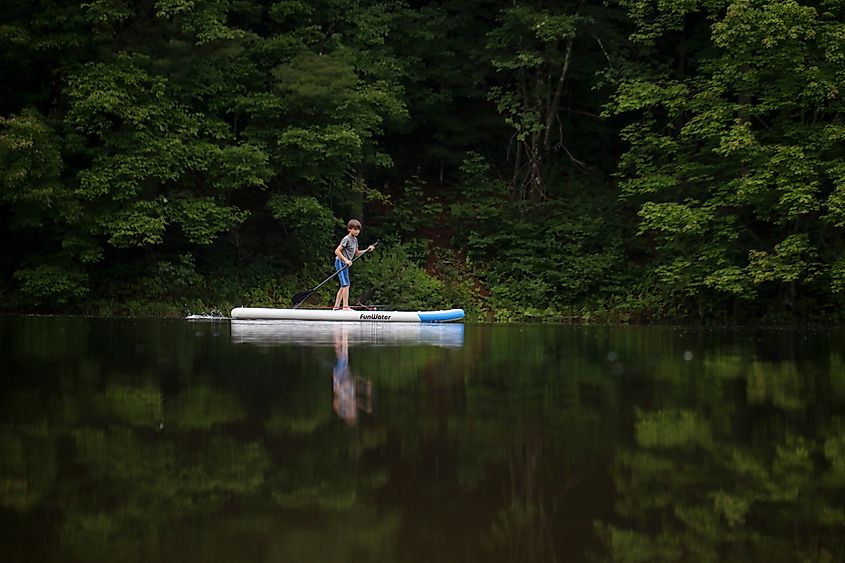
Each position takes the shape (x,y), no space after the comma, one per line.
(349,245)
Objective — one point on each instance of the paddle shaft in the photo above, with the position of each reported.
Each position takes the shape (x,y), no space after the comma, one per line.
(300,297)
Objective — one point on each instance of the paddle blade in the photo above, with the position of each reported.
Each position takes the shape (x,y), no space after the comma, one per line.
(301,298)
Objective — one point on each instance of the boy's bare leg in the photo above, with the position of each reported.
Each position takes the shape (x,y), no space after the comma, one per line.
(338,298)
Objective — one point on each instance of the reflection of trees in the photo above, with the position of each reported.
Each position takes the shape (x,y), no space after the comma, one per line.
(522,529)
(172,447)
(27,466)
(189,432)
(511,426)
(116,455)
(705,482)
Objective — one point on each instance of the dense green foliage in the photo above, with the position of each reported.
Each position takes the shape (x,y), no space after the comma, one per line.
(544,160)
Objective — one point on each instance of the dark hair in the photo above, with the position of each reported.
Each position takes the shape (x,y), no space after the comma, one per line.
(354,224)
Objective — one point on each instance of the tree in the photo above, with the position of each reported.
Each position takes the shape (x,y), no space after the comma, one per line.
(734,153)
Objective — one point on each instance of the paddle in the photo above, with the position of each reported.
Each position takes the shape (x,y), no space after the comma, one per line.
(303,296)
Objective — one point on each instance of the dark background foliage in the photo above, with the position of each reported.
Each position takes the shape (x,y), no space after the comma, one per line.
(565,160)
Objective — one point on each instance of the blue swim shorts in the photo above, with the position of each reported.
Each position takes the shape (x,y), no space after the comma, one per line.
(343,276)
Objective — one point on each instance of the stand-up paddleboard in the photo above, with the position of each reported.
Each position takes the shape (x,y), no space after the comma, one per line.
(445,316)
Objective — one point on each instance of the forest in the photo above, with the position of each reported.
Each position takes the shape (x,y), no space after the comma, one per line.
(623,161)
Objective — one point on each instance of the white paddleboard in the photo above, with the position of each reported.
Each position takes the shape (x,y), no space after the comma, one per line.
(264,313)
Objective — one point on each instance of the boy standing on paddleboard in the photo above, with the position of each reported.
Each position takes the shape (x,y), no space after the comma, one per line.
(344,253)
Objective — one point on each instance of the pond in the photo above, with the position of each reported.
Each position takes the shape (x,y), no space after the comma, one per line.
(153,440)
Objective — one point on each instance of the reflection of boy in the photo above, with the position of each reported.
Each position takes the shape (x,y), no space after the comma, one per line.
(342,384)
(344,390)
(344,387)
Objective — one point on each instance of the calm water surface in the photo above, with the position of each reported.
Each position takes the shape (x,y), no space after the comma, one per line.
(211,441)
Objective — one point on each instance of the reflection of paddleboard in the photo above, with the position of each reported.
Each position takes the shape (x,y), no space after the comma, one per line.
(445,316)
(316,333)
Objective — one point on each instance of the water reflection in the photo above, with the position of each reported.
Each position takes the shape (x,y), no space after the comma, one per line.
(311,333)
(350,393)
(154,441)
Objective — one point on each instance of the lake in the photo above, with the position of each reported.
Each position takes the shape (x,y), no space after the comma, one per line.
(159,440)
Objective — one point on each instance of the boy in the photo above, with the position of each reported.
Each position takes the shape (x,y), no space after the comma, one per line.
(344,253)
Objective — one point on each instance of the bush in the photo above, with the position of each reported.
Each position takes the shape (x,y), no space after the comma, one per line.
(389,278)
(51,284)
